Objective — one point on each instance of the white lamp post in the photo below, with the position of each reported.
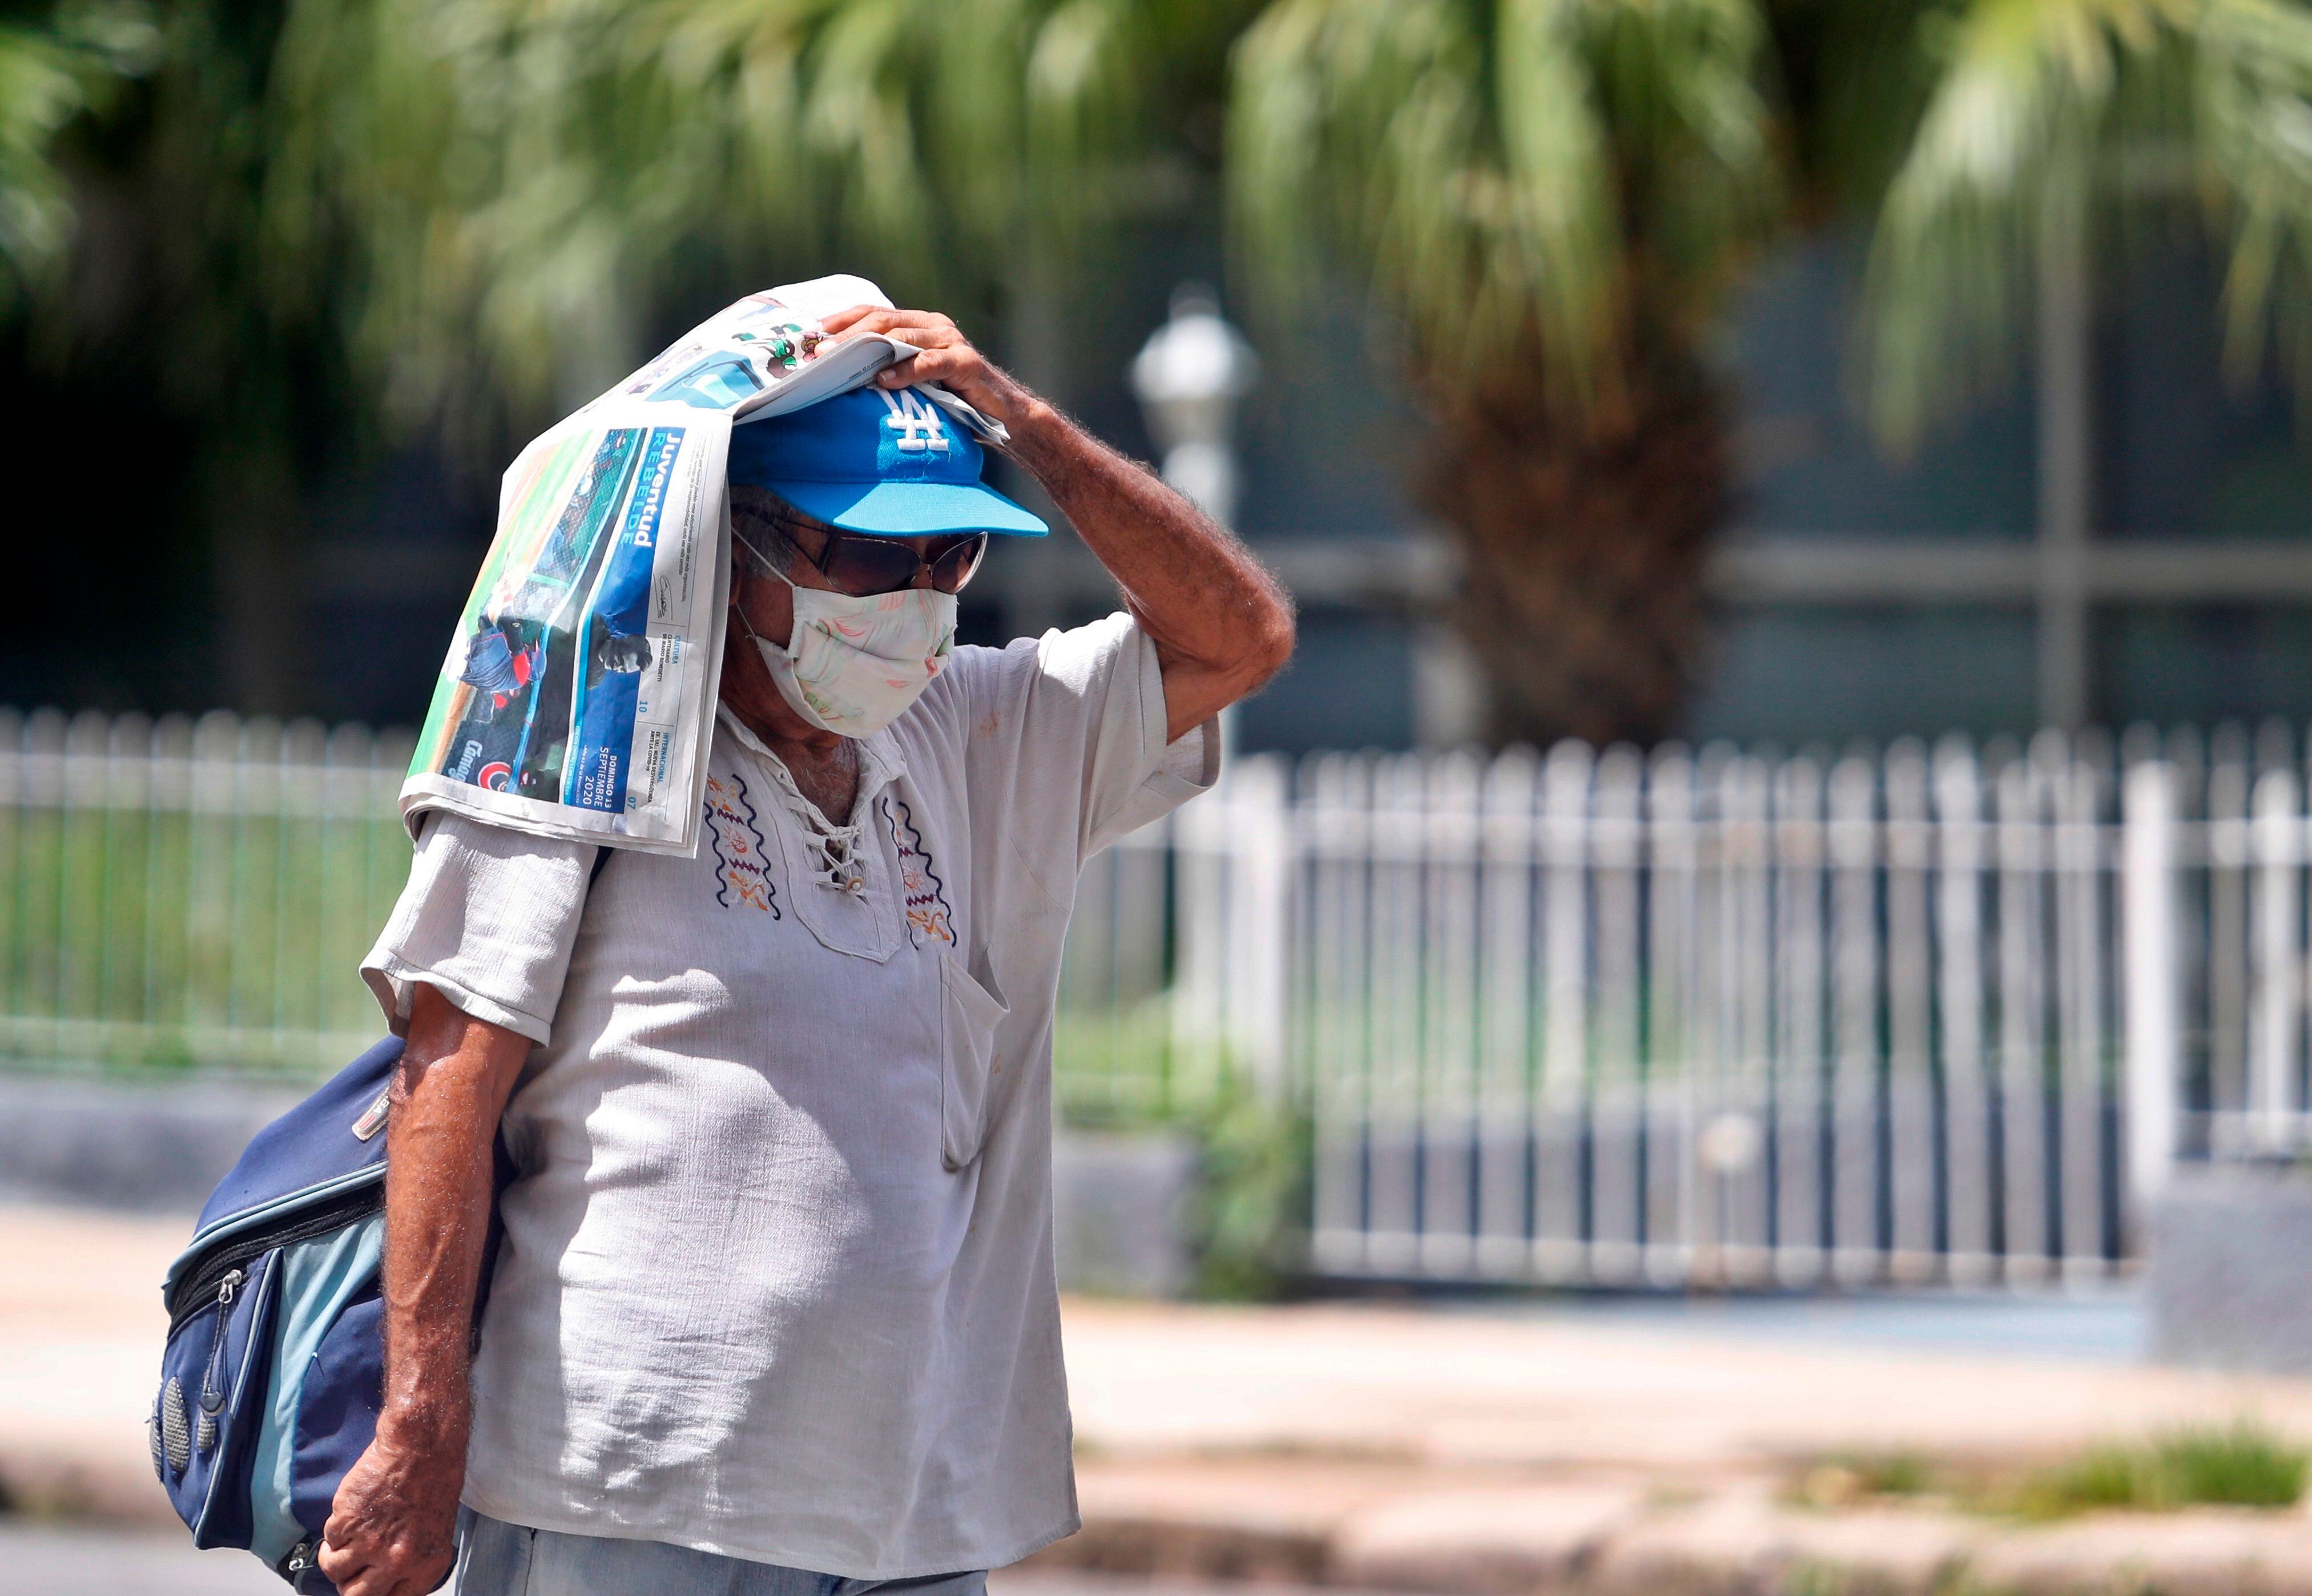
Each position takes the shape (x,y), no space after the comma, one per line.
(1188,377)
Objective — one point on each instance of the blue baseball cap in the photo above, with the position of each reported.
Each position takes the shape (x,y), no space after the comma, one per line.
(891,464)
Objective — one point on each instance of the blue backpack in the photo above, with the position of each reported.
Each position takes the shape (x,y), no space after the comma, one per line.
(274,1366)
(274,1371)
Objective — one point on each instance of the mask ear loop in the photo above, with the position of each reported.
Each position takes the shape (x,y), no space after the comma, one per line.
(739,609)
(762,560)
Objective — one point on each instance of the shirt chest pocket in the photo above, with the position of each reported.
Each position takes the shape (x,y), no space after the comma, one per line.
(970,1068)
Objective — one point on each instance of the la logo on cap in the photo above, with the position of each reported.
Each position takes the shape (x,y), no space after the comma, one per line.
(916,423)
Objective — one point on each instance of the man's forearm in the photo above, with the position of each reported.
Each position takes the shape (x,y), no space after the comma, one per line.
(1221,624)
(1211,609)
(391,1529)
(453,1085)
(1154,542)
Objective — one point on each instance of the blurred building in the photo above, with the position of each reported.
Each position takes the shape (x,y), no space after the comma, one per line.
(2128,537)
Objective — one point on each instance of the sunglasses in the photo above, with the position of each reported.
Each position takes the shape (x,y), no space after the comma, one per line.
(862,565)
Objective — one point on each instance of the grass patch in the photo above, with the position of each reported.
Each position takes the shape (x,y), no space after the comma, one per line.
(1852,1478)
(2239,1465)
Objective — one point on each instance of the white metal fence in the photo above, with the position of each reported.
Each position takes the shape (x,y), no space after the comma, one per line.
(1607,1018)
(1624,1020)
(1627,1019)
(180,894)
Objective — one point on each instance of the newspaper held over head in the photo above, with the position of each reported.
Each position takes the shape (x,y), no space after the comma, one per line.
(577,700)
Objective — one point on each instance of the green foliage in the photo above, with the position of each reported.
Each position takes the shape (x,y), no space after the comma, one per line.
(2255,120)
(1513,177)
(164,934)
(2242,1465)
(1532,175)
(2045,114)
(524,185)
(1124,1068)
(1851,1480)
(2105,1477)
(1117,1065)
(50,73)
(2239,1465)
(472,214)
(1250,1211)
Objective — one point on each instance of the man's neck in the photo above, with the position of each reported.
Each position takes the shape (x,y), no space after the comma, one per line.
(824,764)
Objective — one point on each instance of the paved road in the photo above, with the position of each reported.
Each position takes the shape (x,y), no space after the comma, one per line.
(43,1560)
(46,1560)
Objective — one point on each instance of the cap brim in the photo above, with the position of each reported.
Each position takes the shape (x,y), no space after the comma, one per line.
(910,509)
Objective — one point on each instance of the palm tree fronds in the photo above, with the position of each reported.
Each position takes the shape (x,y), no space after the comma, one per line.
(512,184)
(2003,167)
(2255,115)
(1502,176)
(1561,238)
(48,76)
(1688,121)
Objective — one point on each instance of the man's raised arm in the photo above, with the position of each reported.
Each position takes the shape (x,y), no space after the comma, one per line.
(392,1528)
(1221,624)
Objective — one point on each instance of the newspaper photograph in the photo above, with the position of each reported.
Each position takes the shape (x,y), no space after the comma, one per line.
(577,698)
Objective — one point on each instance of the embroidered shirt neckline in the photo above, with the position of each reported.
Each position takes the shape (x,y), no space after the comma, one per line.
(838,860)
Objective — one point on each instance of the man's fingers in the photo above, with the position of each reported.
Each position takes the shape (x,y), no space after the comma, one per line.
(937,365)
(843,320)
(944,354)
(364,1572)
(869,319)
(347,1568)
(922,328)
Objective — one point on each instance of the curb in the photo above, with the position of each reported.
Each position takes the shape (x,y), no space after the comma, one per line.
(1590,1540)
(1187,1521)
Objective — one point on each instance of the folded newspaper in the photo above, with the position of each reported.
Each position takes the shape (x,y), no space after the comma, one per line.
(578,697)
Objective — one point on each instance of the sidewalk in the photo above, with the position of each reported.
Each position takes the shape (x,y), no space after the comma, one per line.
(1387,1447)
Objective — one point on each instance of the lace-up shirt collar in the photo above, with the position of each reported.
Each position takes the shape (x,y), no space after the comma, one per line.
(840,863)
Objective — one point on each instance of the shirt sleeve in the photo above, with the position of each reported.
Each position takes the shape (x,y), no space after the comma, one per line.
(488,920)
(1067,741)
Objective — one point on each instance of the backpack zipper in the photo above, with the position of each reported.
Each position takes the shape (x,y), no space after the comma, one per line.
(198,1293)
(213,1394)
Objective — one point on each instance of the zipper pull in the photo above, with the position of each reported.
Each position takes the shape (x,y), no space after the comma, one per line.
(212,1391)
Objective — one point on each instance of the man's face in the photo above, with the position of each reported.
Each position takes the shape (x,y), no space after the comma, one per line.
(766,531)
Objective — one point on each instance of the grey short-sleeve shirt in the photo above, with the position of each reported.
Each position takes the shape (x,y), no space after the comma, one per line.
(777,1274)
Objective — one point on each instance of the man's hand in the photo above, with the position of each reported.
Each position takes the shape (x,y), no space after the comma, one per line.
(393,1528)
(1221,624)
(948,359)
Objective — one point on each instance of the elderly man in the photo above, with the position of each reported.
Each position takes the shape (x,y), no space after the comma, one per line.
(775,1310)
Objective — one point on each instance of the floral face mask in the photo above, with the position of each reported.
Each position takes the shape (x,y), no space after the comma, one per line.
(854,664)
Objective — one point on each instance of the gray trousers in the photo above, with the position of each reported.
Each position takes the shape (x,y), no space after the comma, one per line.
(496,1559)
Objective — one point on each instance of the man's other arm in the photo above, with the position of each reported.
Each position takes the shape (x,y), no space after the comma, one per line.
(1221,624)
(392,1528)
